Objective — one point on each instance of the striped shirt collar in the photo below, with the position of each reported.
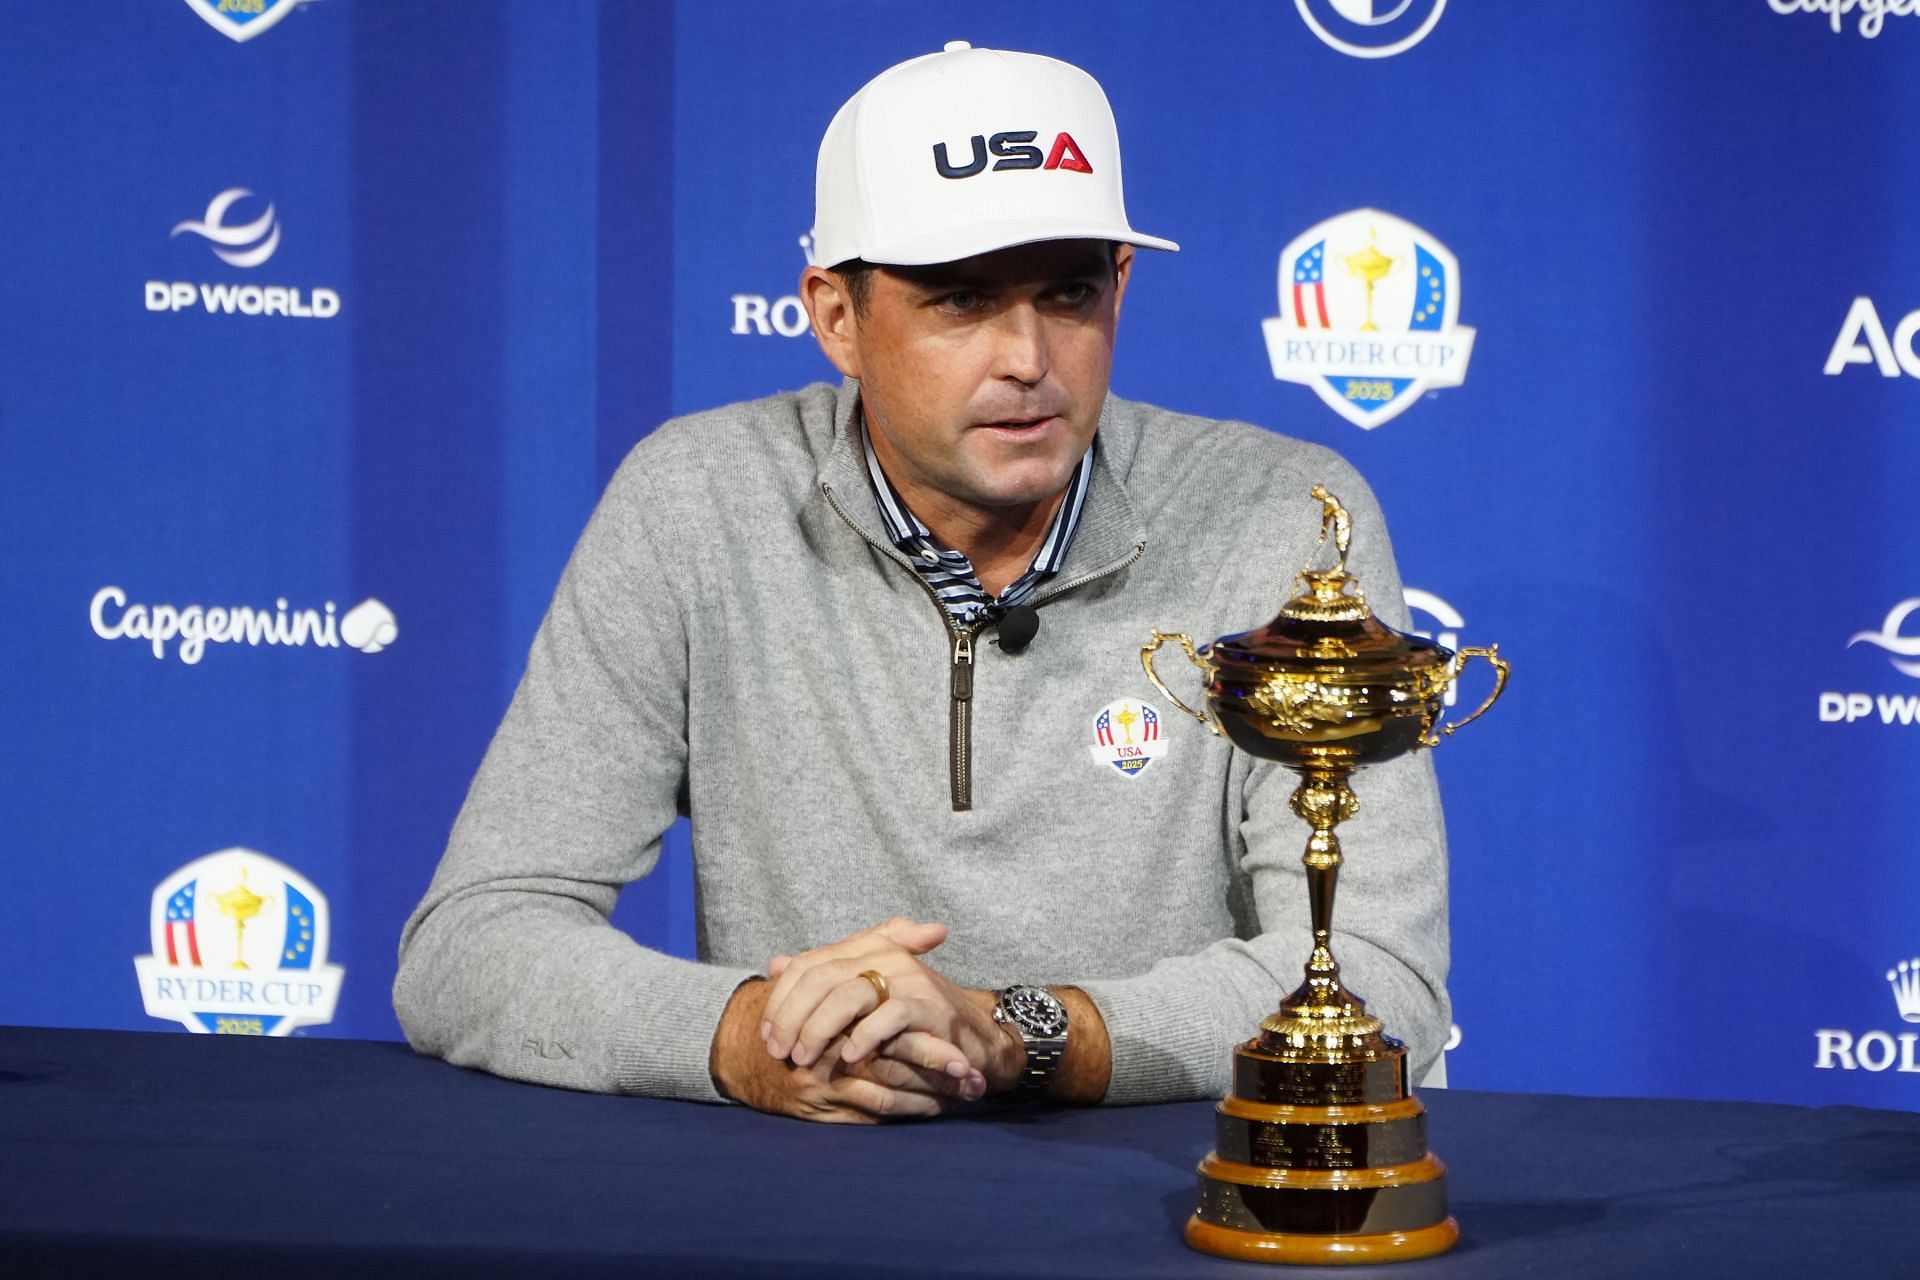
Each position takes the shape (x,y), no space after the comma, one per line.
(949,573)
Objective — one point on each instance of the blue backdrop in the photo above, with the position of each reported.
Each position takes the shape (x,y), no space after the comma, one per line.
(355,307)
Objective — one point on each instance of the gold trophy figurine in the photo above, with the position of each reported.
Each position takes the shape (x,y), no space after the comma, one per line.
(1320,1152)
(1372,266)
(243,904)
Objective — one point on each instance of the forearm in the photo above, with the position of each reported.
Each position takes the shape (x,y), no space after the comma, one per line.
(537,986)
(1087,1065)
(737,1059)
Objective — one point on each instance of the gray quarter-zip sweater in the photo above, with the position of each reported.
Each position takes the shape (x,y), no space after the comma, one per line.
(735,639)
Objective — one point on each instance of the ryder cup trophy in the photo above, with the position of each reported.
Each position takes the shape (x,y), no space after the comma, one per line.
(1320,1151)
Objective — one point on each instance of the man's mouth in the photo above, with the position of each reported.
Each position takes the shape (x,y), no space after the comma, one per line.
(1020,424)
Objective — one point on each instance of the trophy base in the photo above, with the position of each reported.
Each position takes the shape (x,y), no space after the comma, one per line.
(1322,1251)
(1320,1156)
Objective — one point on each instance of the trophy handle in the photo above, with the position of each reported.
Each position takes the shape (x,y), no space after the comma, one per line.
(1186,642)
(1500,668)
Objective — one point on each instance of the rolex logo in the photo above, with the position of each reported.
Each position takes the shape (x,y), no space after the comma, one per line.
(1904,978)
(1877,1050)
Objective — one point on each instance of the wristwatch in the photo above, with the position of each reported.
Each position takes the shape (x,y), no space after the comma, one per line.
(1041,1022)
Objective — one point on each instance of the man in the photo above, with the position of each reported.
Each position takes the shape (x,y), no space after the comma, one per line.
(939,857)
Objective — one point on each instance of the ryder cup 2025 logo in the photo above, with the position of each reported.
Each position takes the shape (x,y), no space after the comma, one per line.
(1369,305)
(242,20)
(1127,735)
(1877,1050)
(239,948)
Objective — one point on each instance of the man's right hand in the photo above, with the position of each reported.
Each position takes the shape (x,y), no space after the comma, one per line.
(828,1089)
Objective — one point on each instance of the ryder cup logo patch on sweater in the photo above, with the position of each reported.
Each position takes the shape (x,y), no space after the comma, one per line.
(1126,735)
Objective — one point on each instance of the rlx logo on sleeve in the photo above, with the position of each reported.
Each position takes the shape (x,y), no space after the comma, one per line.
(1014,150)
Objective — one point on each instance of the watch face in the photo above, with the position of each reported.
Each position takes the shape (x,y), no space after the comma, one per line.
(1037,1012)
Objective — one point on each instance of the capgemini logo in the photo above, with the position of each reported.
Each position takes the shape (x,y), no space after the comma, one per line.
(1888,637)
(261,236)
(1873,13)
(369,626)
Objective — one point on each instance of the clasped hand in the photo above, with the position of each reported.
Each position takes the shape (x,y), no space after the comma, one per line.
(833,1049)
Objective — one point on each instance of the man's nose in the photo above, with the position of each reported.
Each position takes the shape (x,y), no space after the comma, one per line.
(1021,353)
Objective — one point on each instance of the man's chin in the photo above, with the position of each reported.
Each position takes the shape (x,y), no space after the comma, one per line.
(1002,492)
(1011,477)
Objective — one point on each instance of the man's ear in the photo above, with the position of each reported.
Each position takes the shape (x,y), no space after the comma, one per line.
(835,326)
(1122,269)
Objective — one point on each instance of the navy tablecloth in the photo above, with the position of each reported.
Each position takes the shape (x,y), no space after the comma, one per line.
(134,1153)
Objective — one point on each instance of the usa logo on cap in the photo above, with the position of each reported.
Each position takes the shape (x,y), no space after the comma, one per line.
(965,152)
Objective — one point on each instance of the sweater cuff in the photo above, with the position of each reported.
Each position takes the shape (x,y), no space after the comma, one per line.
(1165,1044)
(665,1042)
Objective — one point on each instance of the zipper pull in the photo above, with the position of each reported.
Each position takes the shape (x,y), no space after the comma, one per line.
(963,665)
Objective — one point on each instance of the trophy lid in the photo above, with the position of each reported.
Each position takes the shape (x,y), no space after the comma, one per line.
(1327,630)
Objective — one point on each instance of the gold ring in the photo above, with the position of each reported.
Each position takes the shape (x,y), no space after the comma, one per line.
(878,983)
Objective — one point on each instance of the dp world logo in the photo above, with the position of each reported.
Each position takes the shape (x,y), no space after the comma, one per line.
(244,236)
(1903,651)
(239,243)
(1368,304)
(1901,648)
(1371,28)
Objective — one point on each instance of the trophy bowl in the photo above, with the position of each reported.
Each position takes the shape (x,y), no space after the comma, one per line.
(1320,1153)
(1324,680)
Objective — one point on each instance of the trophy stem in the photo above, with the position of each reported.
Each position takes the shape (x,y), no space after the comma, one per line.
(1322,1014)
(1323,860)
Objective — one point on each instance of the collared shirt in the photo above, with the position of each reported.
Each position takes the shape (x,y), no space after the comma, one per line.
(949,573)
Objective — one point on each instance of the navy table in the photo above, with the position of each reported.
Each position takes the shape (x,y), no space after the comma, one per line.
(127,1153)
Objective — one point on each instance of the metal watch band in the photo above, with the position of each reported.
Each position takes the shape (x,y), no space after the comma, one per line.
(1044,1050)
(1043,1059)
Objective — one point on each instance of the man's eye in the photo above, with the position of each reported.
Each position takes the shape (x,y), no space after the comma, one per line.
(1075,294)
(961,300)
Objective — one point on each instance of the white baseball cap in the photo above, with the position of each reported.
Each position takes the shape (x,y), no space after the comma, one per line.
(966,151)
